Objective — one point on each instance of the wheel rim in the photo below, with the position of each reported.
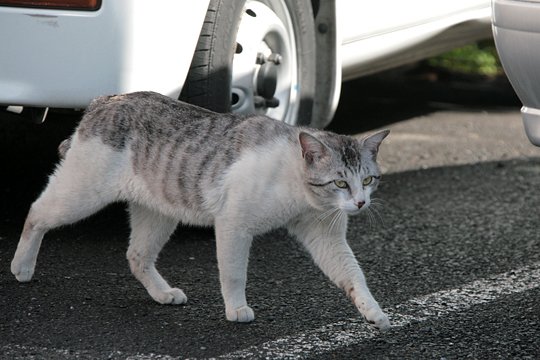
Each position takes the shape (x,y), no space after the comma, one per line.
(265,65)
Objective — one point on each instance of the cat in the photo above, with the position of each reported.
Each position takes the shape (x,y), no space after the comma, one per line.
(245,175)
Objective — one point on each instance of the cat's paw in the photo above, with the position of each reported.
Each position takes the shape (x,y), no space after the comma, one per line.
(172,296)
(22,272)
(377,319)
(241,314)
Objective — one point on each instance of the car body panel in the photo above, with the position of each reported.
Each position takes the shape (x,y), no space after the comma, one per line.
(516,29)
(63,58)
(377,35)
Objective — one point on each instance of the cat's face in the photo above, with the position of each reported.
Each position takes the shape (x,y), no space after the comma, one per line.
(341,172)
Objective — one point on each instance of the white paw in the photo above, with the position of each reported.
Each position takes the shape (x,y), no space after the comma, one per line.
(377,318)
(242,314)
(22,272)
(173,296)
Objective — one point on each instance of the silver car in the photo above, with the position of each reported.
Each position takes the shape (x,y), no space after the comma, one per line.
(516,29)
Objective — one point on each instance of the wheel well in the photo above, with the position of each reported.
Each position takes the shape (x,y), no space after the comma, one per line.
(328,68)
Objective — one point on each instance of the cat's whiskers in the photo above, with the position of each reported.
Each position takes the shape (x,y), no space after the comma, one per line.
(369,216)
(328,220)
(336,220)
(325,215)
(372,218)
(373,212)
(378,202)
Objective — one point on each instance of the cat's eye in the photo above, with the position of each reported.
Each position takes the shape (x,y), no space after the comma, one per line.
(341,184)
(367,180)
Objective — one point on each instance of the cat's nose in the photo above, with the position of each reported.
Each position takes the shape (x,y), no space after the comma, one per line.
(360,204)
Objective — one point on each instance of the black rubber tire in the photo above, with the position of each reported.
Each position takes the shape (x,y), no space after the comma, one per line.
(208,83)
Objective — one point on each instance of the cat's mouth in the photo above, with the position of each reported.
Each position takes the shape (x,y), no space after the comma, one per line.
(354,209)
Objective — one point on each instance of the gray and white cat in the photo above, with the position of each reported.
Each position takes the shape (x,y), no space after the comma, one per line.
(245,175)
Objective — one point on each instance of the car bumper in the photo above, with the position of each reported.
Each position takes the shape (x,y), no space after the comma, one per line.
(531,121)
(63,58)
(516,30)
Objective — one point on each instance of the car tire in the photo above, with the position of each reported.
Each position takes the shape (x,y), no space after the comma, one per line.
(247,48)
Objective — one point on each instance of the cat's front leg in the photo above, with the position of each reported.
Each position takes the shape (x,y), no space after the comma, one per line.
(233,245)
(366,304)
(327,245)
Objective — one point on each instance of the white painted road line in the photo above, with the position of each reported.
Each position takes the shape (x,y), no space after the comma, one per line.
(355,331)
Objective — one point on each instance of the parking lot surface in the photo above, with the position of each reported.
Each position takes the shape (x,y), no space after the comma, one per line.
(453,254)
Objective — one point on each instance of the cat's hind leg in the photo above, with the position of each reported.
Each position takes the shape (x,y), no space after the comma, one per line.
(71,195)
(150,230)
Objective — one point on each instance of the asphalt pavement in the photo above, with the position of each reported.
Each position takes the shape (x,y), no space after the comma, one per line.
(453,254)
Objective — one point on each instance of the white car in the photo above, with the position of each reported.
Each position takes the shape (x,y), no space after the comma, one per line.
(283,58)
(516,29)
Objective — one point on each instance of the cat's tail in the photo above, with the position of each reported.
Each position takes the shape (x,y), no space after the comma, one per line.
(64,147)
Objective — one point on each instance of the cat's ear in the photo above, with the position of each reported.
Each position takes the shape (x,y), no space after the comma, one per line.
(372,142)
(312,148)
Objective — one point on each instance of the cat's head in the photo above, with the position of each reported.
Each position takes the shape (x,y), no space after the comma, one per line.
(340,171)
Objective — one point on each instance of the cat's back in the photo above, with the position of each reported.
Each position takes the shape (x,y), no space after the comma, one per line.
(145,120)
(150,118)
